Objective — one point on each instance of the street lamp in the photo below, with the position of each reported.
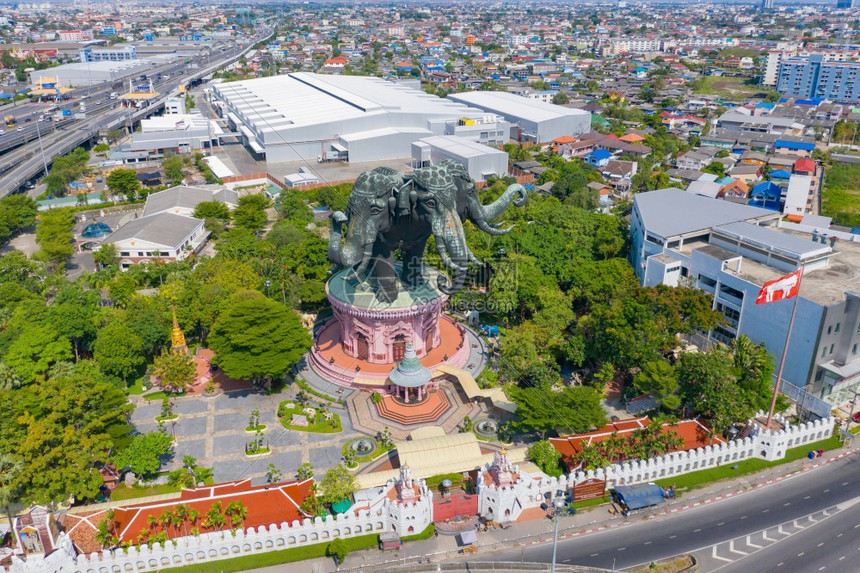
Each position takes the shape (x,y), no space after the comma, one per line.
(851,411)
(558,504)
(268,283)
(41,148)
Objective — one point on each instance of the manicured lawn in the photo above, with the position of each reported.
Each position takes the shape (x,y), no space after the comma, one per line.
(275,557)
(591,502)
(840,197)
(259,452)
(124,492)
(166,418)
(157,395)
(703,477)
(319,425)
(137,388)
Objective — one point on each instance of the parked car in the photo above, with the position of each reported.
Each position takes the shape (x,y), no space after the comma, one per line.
(856,417)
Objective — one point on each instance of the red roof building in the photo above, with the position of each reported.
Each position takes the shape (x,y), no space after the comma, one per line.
(693,432)
(266,505)
(805,166)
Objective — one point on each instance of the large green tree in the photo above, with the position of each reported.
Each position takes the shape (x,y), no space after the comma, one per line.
(251,212)
(174,371)
(118,350)
(35,350)
(123,182)
(73,314)
(337,484)
(143,455)
(546,457)
(257,338)
(658,377)
(62,429)
(572,410)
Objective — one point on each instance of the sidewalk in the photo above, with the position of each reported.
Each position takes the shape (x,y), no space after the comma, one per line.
(589,520)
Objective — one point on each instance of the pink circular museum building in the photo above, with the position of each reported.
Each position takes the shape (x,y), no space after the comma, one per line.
(366,337)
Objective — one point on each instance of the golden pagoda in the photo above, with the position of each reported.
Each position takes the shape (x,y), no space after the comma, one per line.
(177,338)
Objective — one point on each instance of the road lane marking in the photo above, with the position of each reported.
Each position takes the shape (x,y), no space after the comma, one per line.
(751,544)
(807,497)
(647,543)
(765,510)
(621,549)
(780,564)
(820,544)
(697,530)
(840,535)
(594,554)
(715,556)
(721,523)
(826,490)
(744,517)
(801,553)
(786,504)
(672,536)
(766,538)
(733,550)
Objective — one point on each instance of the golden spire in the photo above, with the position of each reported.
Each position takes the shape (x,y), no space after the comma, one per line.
(177,338)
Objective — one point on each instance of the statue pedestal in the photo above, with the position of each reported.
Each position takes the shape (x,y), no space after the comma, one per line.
(364,341)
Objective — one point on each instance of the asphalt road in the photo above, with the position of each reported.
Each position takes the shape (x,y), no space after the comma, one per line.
(831,544)
(812,498)
(26,160)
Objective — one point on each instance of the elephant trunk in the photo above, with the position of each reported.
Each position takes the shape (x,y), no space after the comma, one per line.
(515,194)
(347,253)
(452,248)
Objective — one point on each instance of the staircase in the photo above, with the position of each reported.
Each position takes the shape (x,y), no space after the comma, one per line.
(425,412)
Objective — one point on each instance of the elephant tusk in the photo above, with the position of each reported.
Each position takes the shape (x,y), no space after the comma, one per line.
(491,229)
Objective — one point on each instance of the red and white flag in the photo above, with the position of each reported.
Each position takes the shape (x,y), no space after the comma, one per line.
(779,289)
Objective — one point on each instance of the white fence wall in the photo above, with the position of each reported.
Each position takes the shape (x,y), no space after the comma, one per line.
(209,547)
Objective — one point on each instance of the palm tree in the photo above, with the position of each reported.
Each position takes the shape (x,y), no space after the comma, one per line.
(182,515)
(613,446)
(152,521)
(166,518)
(748,357)
(236,511)
(590,457)
(193,515)
(214,518)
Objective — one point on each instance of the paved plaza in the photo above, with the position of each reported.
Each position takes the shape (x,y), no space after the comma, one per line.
(213,431)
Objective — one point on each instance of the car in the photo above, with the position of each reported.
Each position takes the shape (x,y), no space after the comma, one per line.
(856,417)
(2,131)
(28,119)
(20,129)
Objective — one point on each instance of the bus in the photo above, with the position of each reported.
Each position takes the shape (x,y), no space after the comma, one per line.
(10,121)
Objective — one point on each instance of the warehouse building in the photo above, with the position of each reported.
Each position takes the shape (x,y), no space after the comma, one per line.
(479,160)
(92,73)
(532,120)
(306,116)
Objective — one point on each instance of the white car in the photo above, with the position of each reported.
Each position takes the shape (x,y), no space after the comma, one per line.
(20,129)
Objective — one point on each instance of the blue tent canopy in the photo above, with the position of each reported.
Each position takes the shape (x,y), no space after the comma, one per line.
(639,496)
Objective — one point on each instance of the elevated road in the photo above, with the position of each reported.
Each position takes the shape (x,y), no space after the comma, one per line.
(26,162)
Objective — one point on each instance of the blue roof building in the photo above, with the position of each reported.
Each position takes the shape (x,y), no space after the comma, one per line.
(793,145)
(780,174)
(598,158)
(766,195)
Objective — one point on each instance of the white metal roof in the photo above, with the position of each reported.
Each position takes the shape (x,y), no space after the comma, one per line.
(460,146)
(304,99)
(671,212)
(798,194)
(512,105)
(773,240)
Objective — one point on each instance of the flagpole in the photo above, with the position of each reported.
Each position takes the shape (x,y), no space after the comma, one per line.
(784,351)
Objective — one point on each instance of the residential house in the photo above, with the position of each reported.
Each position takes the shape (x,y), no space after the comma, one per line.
(598,158)
(746,173)
(753,158)
(798,197)
(619,173)
(693,160)
(797,148)
(732,187)
(767,195)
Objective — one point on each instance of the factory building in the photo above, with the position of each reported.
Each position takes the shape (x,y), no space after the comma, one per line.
(532,120)
(306,116)
(92,73)
(479,160)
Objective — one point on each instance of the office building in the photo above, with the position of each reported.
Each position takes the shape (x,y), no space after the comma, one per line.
(113,54)
(730,251)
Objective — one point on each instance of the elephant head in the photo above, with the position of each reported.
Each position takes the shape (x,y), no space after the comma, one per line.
(469,205)
(371,205)
(436,203)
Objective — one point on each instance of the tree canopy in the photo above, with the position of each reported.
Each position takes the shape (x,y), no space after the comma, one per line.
(256,338)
